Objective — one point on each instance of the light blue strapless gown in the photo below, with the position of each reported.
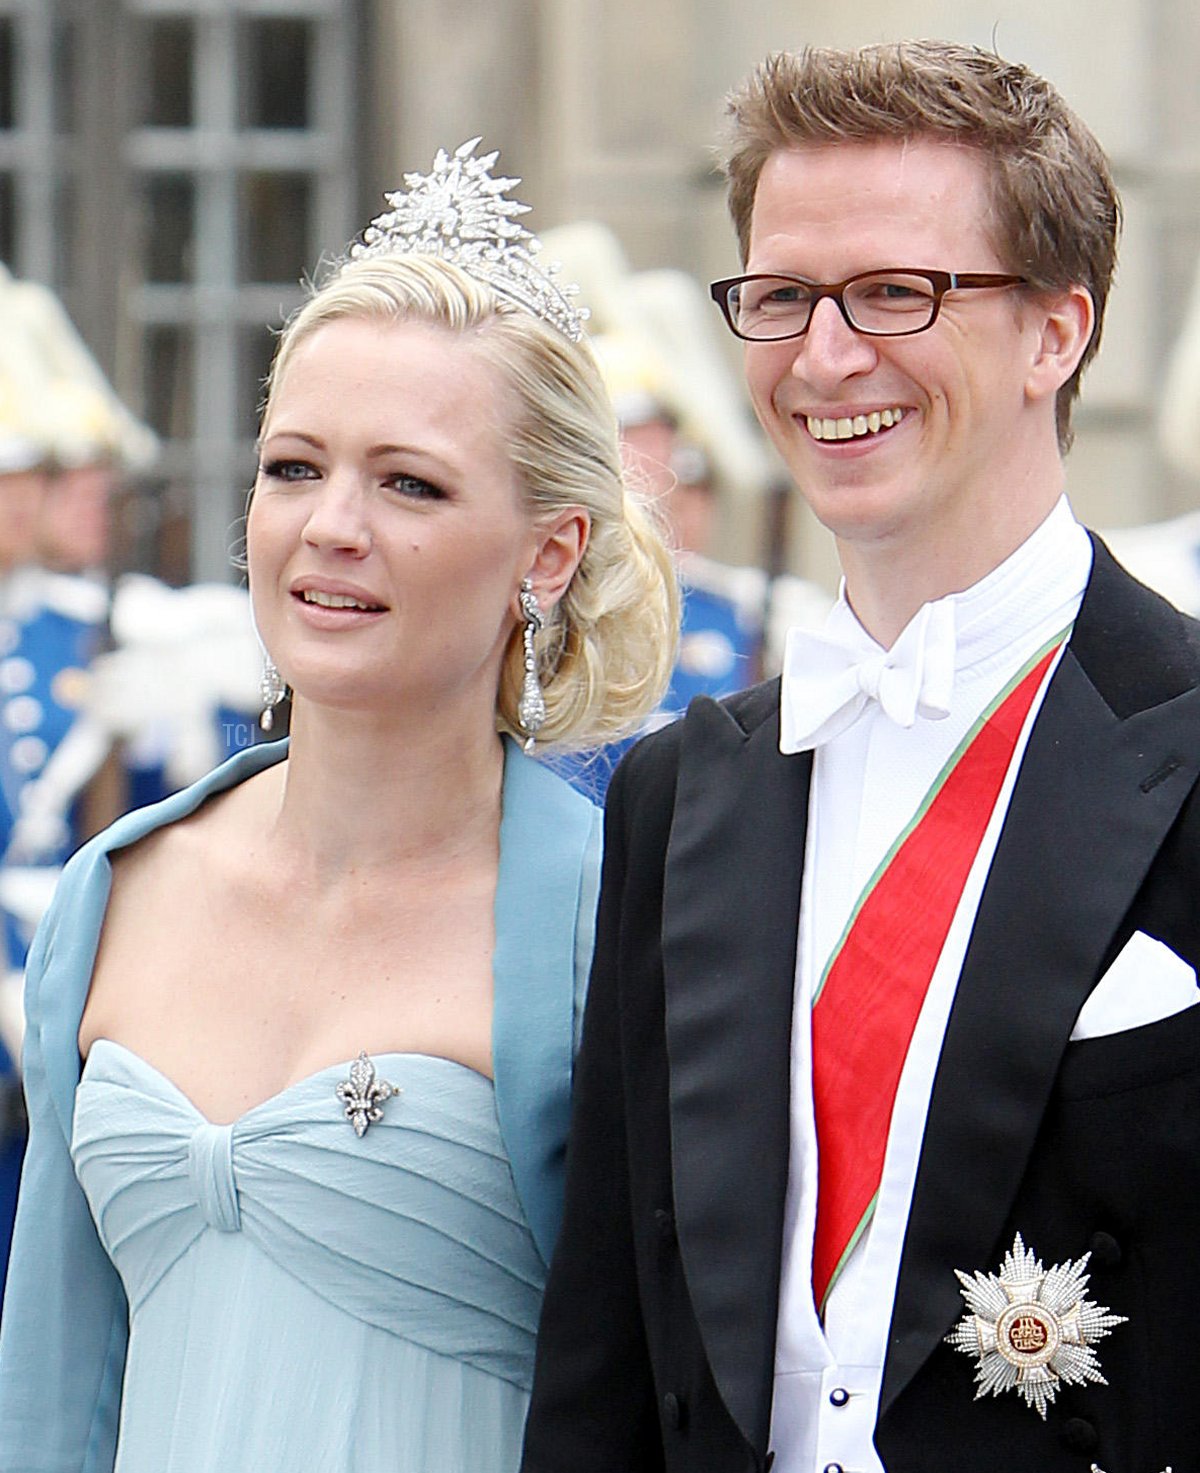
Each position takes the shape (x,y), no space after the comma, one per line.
(300,1298)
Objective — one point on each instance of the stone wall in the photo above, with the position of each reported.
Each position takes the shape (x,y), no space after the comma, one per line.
(608,108)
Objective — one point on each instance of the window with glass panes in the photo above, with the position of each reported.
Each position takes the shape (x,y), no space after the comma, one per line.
(29,154)
(241,169)
(175,191)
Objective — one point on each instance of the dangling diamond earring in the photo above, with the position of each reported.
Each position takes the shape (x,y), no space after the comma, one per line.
(272,688)
(531,709)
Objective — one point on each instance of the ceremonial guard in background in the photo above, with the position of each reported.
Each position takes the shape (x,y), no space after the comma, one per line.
(1166,554)
(86,443)
(22,490)
(164,680)
(691,443)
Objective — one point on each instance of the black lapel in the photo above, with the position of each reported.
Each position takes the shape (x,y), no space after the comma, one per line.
(1112,756)
(731,902)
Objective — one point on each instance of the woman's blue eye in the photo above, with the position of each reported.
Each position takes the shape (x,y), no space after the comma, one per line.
(416,486)
(286,470)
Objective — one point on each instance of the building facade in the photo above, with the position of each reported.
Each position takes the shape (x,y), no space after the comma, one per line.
(174,168)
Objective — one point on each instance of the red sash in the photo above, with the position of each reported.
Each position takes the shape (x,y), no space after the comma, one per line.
(874,986)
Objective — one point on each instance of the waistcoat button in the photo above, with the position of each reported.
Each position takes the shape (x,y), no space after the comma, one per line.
(1106,1251)
(1080,1436)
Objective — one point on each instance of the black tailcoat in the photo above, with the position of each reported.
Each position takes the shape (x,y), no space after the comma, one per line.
(657,1343)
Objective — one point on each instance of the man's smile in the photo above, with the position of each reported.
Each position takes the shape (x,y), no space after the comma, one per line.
(852,427)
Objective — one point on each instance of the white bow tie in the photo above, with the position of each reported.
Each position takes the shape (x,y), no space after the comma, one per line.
(828,683)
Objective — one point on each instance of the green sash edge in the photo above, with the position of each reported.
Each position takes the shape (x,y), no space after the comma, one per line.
(868,1214)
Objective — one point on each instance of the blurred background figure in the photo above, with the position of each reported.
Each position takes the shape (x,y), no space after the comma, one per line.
(687,439)
(1166,554)
(110,695)
(23,476)
(720,647)
(84,441)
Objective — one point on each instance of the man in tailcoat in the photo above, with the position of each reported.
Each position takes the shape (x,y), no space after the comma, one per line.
(886,1151)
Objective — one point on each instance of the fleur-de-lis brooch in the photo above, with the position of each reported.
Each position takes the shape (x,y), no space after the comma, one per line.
(363,1095)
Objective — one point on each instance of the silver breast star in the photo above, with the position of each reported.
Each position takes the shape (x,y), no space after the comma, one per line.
(1031,1329)
(363,1095)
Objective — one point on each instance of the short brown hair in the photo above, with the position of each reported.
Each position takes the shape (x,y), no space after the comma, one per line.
(1056,217)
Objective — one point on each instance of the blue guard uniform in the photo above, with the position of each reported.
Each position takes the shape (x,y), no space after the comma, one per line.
(718,654)
(45,651)
(49,633)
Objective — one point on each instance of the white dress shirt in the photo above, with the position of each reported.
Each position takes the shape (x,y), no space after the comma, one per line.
(868,781)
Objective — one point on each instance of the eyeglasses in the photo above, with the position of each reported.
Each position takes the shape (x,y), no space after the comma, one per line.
(881,304)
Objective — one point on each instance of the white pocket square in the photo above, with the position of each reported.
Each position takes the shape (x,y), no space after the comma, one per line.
(1146,983)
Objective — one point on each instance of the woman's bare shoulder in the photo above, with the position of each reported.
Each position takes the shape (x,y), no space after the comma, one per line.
(196,850)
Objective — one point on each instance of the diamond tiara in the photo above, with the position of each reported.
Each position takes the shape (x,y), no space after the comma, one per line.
(459,213)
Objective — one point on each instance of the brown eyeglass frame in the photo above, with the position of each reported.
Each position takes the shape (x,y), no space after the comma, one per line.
(941,282)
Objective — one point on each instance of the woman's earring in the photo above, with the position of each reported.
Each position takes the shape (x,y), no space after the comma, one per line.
(531,709)
(272,688)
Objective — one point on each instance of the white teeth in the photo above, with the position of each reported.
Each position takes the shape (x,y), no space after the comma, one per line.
(334,600)
(853,429)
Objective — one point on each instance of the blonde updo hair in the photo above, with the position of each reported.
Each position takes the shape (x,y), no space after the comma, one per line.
(606,653)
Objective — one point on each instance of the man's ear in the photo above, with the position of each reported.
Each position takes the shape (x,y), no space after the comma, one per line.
(1066,321)
(560,547)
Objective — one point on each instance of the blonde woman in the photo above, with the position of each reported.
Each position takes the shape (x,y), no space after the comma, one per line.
(295,1211)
